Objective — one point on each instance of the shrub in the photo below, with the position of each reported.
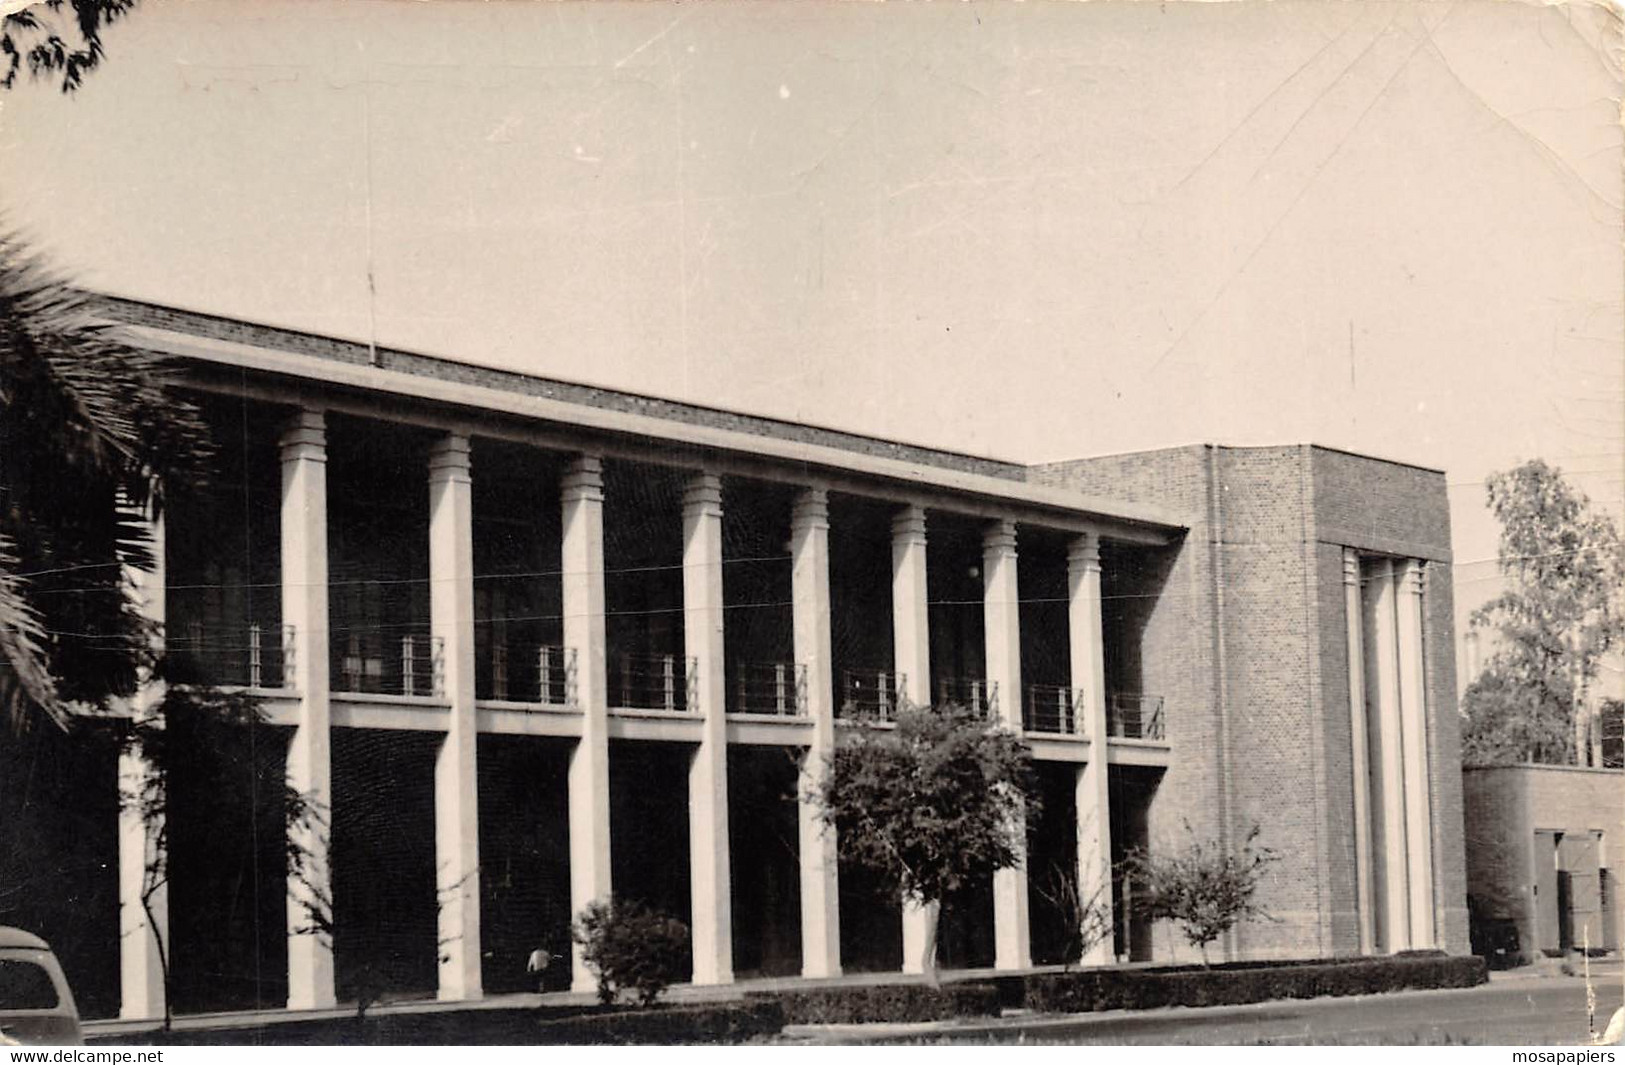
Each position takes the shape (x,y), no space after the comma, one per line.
(630,947)
(730,1022)
(1204,889)
(893,1003)
(1229,985)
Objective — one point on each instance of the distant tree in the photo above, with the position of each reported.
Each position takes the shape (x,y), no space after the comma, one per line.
(205,730)
(1560,614)
(57,37)
(90,430)
(934,805)
(1204,888)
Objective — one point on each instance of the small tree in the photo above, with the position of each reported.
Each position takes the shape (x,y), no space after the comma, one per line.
(1204,889)
(204,722)
(1086,921)
(630,947)
(933,805)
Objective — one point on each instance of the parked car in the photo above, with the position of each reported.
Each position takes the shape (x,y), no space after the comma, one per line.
(36,1005)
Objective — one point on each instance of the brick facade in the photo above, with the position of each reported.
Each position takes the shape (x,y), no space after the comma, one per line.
(1253,659)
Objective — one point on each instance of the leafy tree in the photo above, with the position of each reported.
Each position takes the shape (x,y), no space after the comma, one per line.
(1559,615)
(207,725)
(57,37)
(630,947)
(1204,888)
(90,429)
(934,805)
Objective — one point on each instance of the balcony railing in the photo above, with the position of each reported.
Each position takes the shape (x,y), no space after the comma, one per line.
(770,688)
(873,693)
(1134,716)
(653,682)
(537,674)
(412,665)
(237,656)
(973,693)
(1052,709)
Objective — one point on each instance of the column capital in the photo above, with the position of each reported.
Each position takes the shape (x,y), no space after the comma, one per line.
(583,480)
(702,495)
(999,537)
(1083,552)
(908,524)
(449,458)
(1412,577)
(1351,566)
(305,436)
(810,510)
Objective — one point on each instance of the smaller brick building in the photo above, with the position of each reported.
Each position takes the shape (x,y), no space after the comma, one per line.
(1543,856)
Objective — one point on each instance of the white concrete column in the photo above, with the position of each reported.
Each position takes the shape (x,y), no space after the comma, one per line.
(582,500)
(1358,732)
(456,787)
(310,750)
(1414,733)
(710,881)
(1093,792)
(911,658)
(820,863)
(1382,670)
(1001,631)
(142,879)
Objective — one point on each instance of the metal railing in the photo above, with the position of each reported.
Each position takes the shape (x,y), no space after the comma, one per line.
(1134,716)
(977,694)
(412,665)
(1053,709)
(235,656)
(874,693)
(539,674)
(769,688)
(653,682)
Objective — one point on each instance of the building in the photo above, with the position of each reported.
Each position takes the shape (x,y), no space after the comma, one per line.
(1543,857)
(530,642)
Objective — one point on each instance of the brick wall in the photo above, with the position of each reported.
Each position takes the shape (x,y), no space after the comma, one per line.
(1503,808)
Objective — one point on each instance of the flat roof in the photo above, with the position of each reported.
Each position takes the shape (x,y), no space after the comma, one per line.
(214,339)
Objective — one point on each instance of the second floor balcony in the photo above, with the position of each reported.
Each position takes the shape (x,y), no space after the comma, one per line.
(232,656)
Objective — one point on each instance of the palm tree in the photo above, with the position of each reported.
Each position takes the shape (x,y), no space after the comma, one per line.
(90,429)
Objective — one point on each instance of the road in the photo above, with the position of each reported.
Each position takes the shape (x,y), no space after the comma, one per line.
(1507,1012)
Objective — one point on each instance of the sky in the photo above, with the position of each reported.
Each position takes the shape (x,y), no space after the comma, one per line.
(1029,230)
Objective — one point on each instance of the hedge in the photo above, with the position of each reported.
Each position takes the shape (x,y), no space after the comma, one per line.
(1229,985)
(896,1003)
(727,1022)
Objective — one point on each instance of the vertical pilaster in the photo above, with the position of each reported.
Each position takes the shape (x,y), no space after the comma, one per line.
(310,757)
(1360,756)
(911,657)
(1001,627)
(1093,793)
(582,562)
(1414,738)
(1388,780)
(708,770)
(809,592)
(143,893)
(456,787)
